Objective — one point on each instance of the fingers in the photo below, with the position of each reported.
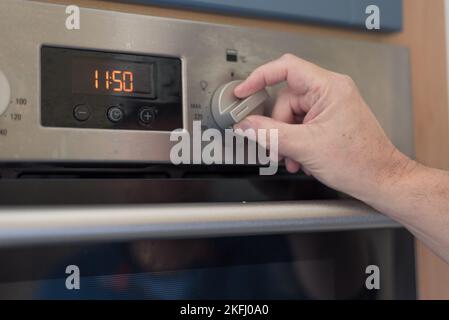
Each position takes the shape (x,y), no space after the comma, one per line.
(281,110)
(305,82)
(289,136)
(299,74)
(292,166)
(286,108)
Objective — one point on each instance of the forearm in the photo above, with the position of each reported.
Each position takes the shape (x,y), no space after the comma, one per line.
(325,127)
(417,197)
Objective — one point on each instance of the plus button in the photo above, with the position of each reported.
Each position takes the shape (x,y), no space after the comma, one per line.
(146,115)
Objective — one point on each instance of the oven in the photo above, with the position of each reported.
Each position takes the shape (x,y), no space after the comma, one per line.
(88,185)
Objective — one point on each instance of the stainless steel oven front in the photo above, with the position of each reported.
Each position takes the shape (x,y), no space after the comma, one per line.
(55,114)
(86,118)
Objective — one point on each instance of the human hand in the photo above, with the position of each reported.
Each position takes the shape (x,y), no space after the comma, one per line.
(324,127)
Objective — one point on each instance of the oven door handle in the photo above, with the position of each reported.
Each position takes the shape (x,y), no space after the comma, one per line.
(42,224)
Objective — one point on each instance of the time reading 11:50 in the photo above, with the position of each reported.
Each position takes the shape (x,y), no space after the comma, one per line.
(114,80)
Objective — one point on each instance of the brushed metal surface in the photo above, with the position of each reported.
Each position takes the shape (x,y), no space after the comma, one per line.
(32,225)
(381,72)
(5,93)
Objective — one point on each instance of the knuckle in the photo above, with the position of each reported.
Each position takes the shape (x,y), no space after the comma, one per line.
(288,57)
(344,84)
(347,80)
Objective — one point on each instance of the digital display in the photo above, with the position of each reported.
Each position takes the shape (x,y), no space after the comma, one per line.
(112,77)
(110,90)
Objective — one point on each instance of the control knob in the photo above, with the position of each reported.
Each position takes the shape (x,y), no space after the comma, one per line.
(227,109)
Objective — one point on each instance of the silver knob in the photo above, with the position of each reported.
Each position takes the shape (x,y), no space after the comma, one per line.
(227,109)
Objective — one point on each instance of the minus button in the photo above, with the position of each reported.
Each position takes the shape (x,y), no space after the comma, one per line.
(81,112)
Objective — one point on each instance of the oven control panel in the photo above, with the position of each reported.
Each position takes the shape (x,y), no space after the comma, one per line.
(5,93)
(115,89)
(106,90)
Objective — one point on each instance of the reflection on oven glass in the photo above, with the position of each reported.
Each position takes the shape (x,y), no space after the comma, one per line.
(305,266)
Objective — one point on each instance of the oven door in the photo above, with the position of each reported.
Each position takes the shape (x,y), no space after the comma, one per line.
(327,265)
(134,233)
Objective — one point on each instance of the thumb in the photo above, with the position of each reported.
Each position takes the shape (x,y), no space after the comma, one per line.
(289,136)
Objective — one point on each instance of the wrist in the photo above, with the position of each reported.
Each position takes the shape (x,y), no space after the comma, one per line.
(397,169)
(390,179)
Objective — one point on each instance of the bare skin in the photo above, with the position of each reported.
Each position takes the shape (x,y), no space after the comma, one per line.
(326,129)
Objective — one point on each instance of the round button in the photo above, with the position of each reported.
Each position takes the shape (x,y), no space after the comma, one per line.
(227,109)
(5,93)
(81,112)
(146,115)
(115,114)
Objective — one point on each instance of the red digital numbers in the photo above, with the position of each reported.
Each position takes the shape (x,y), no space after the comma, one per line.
(114,80)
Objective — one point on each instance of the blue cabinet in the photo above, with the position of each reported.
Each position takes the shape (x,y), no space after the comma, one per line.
(343,13)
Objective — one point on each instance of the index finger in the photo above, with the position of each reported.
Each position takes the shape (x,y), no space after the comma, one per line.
(300,75)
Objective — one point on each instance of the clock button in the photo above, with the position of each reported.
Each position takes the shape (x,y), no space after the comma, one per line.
(146,115)
(115,114)
(81,112)
(5,93)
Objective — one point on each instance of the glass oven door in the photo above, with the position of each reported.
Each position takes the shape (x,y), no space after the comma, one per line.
(319,265)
